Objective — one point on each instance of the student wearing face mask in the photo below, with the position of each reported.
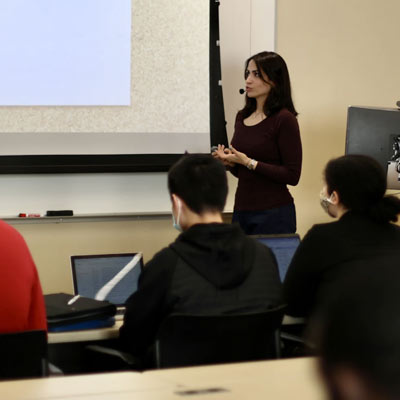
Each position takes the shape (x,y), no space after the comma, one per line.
(362,237)
(211,268)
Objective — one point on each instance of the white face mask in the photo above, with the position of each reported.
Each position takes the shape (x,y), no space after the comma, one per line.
(175,223)
(325,201)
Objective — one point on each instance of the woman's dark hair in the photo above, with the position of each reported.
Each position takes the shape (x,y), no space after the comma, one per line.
(360,182)
(280,96)
(200,181)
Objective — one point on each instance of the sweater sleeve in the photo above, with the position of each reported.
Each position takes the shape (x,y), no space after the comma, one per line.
(303,275)
(289,144)
(146,308)
(234,169)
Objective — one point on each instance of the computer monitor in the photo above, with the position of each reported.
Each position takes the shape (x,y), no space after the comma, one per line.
(283,247)
(113,275)
(376,132)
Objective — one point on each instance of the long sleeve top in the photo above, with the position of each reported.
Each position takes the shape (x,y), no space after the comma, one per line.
(275,143)
(331,254)
(22,303)
(209,269)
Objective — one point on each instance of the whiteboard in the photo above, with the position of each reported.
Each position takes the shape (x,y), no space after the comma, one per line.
(84,193)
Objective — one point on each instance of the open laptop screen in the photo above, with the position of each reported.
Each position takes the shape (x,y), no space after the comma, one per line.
(283,247)
(113,277)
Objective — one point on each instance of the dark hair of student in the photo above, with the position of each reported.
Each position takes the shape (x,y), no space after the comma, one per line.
(360,182)
(280,96)
(200,181)
(360,331)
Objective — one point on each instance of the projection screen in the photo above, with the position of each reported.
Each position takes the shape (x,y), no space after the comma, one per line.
(116,82)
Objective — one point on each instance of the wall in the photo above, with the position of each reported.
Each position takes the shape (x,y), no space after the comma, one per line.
(52,244)
(339,53)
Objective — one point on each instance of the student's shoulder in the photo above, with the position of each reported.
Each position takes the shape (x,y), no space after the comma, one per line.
(160,268)
(325,227)
(324,231)
(9,233)
(6,228)
(162,259)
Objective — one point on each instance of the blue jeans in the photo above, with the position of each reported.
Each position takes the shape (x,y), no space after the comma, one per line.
(273,221)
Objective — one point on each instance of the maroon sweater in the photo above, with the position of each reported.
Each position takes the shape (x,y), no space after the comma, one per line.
(275,143)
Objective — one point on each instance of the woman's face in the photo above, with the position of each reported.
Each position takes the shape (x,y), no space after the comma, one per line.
(256,87)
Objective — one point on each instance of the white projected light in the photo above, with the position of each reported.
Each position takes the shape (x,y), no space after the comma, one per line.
(56,52)
(150,55)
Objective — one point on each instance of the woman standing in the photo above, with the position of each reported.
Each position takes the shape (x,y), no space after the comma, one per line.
(265,153)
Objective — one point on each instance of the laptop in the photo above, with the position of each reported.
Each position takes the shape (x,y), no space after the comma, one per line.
(283,246)
(112,277)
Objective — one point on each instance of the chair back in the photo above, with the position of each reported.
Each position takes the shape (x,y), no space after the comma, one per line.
(185,340)
(23,354)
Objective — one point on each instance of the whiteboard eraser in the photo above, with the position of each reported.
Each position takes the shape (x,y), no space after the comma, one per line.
(59,213)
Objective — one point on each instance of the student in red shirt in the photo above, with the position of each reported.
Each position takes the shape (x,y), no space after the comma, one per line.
(22,303)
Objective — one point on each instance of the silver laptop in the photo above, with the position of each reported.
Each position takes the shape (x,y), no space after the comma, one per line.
(112,277)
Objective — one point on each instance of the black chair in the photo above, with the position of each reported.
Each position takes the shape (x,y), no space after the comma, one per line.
(23,355)
(185,340)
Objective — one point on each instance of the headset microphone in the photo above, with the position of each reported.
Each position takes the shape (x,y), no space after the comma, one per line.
(242,91)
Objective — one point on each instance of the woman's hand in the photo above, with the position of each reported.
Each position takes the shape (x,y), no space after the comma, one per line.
(230,156)
(222,154)
(238,157)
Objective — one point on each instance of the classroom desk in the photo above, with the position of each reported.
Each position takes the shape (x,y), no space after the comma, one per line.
(87,335)
(113,332)
(295,378)
(92,386)
(278,380)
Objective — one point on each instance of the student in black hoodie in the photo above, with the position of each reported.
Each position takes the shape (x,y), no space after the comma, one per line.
(211,268)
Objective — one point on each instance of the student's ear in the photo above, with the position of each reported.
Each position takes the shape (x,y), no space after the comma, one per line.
(175,201)
(335,198)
